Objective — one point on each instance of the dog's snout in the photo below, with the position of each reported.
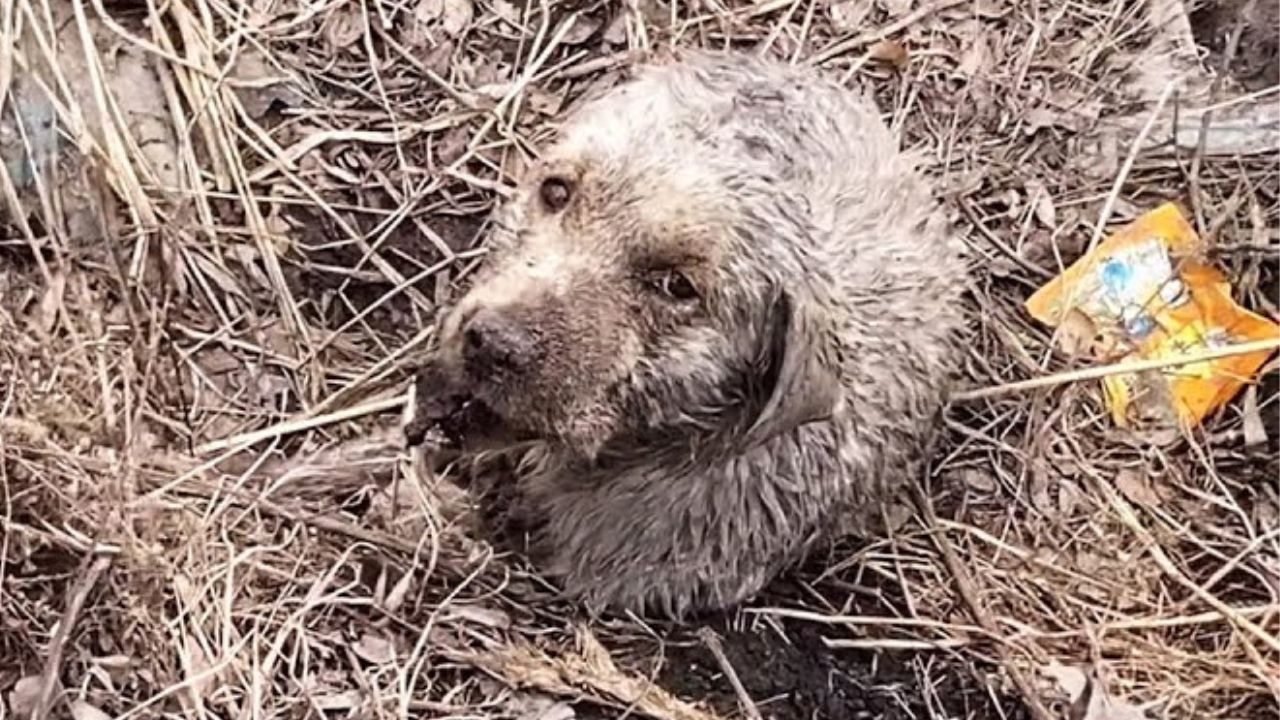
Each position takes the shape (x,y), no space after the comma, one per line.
(495,340)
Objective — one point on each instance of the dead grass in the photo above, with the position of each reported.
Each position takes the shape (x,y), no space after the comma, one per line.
(256,206)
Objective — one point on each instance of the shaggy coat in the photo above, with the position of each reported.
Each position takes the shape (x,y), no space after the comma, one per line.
(718,321)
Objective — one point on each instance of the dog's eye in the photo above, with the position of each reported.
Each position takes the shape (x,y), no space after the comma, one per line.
(555,193)
(676,286)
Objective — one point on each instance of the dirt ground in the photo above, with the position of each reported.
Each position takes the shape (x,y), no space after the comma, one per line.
(225,228)
(791,673)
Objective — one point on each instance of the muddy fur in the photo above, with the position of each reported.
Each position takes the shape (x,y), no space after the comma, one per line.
(718,324)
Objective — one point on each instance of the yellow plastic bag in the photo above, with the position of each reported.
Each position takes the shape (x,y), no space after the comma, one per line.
(1145,293)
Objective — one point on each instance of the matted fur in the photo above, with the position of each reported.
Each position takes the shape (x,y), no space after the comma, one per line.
(675,456)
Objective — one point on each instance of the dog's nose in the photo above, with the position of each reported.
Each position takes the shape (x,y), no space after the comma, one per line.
(495,341)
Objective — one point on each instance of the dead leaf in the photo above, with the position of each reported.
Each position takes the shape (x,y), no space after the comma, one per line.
(1124,211)
(219,275)
(1271,573)
(1136,486)
(1076,333)
(250,263)
(375,649)
(81,710)
(26,430)
(542,101)
(1041,117)
(270,387)
(200,677)
(1105,708)
(452,145)
(896,8)
(507,11)
(537,706)
(454,15)
(489,617)
(24,695)
(428,10)
(1038,486)
(1258,224)
(616,33)
(1266,511)
(655,14)
(437,58)
(590,669)
(1088,696)
(583,28)
(897,515)
(1070,497)
(51,302)
(277,226)
(1089,562)
(342,29)
(1041,204)
(348,700)
(278,338)
(1255,431)
(133,88)
(889,51)
(397,594)
(976,58)
(492,93)
(1100,155)
(1002,267)
(978,480)
(990,9)
(1039,248)
(259,85)
(558,711)
(1071,680)
(142,99)
(848,15)
(457,16)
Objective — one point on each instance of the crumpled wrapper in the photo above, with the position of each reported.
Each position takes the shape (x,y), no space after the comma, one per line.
(1146,293)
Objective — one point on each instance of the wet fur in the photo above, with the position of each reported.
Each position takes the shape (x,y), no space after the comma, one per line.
(685,457)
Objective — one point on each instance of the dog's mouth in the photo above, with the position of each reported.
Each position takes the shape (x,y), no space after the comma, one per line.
(449,411)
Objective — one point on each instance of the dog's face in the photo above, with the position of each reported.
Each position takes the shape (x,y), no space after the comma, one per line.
(634,286)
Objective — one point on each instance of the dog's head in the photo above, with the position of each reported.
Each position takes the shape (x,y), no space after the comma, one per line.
(647,276)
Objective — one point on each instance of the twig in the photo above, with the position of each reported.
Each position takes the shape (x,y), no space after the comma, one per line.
(964,585)
(1121,368)
(709,638)
(293,426)
(594,65)
(1152,546)
(894,644)
(1114,194)
(898,25)
(53,663)
(1206,118)
(967,209)
(865,620)
(326,522)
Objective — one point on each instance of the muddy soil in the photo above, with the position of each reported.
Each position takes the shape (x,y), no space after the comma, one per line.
(789,672)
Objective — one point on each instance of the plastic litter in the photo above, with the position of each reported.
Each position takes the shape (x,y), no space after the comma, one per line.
(1145,292)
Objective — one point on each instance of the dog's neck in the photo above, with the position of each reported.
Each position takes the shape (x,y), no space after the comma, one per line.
(689,445)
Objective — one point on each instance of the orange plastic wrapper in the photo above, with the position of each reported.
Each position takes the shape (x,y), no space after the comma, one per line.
(1144,293)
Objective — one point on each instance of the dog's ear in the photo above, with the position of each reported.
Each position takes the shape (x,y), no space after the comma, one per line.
(798,380)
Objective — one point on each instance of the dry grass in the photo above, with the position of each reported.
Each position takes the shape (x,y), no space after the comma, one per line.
(257,205)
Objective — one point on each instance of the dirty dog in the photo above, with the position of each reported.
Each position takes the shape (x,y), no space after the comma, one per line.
(718,321)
